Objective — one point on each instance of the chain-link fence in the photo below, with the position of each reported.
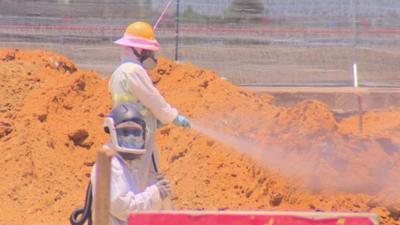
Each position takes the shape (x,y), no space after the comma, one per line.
(250,42)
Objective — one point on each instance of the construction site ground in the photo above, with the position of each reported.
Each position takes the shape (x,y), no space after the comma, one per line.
(268,65)
(275,149)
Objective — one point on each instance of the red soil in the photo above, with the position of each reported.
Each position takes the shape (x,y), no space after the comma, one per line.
(298,158)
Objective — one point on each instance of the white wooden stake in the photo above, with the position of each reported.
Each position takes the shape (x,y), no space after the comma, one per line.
(355,75)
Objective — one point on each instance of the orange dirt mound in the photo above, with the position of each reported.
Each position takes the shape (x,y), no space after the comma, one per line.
(299,158)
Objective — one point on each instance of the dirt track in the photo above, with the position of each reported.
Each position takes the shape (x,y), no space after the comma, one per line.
(51,115)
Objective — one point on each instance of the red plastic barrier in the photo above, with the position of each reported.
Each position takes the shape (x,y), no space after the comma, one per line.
(239,219)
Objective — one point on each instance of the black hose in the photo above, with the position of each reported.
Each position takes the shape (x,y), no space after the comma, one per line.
(86,212)
(154,162)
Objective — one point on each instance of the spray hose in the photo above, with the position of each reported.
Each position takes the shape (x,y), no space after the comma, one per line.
(85,212)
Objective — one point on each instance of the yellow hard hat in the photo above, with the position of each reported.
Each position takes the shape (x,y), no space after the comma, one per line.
(141,30)
(140,35)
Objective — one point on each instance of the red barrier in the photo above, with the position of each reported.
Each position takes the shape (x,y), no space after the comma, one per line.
(244,218)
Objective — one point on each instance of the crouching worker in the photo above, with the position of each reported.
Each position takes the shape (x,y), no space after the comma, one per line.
(135,183)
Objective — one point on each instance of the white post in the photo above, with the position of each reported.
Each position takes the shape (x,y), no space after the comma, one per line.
(102,194)
(355,75)
(354,43)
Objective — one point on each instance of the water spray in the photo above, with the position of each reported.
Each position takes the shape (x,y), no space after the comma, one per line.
(272,158)
(314,170)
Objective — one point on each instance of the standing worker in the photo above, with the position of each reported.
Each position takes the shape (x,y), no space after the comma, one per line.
(130,83)
(131,187)
(135,181)
(135,184)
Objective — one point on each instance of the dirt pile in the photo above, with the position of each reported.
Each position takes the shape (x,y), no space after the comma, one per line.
(311,160)
(51,116)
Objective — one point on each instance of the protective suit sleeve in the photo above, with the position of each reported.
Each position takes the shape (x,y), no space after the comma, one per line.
(123,201)
(141,85)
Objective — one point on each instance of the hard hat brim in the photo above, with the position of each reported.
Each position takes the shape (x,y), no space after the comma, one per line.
(151,45)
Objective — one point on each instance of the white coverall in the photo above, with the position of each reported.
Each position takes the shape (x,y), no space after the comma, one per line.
(131,83)
(129,190)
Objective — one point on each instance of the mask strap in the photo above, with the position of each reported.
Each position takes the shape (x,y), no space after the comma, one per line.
(140,57)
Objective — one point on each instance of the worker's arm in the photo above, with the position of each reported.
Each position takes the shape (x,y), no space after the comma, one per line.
(140,84)
(123,201)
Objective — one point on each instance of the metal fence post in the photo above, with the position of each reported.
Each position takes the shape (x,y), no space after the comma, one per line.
(354,6)
(177,31)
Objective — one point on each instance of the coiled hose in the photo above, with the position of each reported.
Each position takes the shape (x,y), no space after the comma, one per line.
(85,212)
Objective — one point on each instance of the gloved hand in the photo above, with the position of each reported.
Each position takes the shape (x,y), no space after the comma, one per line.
(182,121)
(163,186)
